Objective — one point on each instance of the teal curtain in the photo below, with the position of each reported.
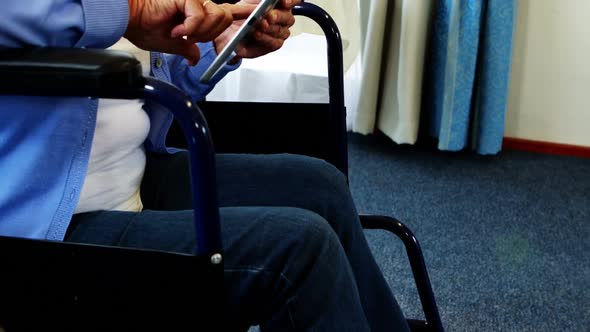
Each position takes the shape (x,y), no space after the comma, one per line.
(468,72)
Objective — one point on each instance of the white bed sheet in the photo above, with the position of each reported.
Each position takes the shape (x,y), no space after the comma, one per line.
(297,73)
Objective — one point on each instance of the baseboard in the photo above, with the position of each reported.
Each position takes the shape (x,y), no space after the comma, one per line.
(545,147)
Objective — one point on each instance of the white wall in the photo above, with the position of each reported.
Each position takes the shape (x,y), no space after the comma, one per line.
(550,85)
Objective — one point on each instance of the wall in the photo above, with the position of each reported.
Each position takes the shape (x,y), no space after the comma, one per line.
(550,86)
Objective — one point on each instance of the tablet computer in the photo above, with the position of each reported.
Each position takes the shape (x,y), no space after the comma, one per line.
(228,51)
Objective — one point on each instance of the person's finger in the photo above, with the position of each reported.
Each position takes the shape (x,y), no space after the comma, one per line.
(263,25)
(190,51)
(203,23)
(269,42)
(281,17)
(240,11)
(217,19)
(283,34)
(288,4)
(194,13)
(276,31)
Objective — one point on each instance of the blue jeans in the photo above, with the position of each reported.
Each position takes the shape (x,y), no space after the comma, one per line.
(296,256)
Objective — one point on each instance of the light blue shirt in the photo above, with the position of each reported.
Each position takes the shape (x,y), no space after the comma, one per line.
(45,141)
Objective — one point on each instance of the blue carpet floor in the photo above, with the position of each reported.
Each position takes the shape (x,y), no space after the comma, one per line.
(506,238)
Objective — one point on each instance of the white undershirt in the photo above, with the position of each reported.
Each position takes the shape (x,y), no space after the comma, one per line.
(117,157)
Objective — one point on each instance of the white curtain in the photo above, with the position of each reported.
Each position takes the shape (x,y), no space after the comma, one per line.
(389,71)
(346,15)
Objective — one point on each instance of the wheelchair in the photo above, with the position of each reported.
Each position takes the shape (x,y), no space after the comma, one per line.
(91,287)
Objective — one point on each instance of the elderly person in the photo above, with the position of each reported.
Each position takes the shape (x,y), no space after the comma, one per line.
(98,171)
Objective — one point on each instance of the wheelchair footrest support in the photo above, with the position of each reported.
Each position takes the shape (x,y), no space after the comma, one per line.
(433,321)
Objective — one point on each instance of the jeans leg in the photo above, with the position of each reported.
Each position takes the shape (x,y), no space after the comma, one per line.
(312,184)
(284,267)
(285,180)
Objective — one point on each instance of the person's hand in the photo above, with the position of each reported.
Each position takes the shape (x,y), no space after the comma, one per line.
(270,33)
(173,26)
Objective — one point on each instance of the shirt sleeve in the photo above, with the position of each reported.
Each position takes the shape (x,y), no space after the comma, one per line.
(63,23)
(187,77)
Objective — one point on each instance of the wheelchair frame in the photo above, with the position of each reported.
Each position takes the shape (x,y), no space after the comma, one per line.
(326,138)
(65,265)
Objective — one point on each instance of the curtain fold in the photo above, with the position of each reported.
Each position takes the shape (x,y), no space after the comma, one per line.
(466,87)
(441,67)
(393,40)
(399,111)
(346,15)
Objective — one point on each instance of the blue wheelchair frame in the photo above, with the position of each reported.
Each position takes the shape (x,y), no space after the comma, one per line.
(52,285)
(77,279)
(324,123)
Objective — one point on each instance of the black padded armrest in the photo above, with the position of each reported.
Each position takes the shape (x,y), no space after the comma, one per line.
(69,72)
